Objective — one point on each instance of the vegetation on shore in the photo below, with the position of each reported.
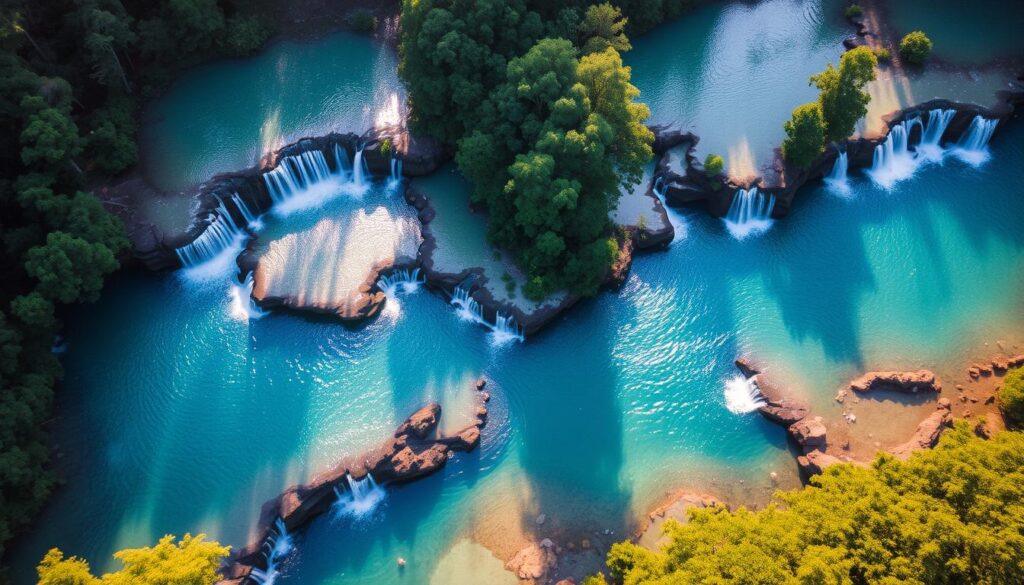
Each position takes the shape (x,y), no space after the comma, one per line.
(71,75)
(193,560)
(544,121)
(833,117)
(953,514)
(1011,396)
(915,47)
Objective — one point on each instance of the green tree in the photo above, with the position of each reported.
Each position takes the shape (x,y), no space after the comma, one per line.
(34,311)
(191,561)
(50,139)
(1011,395)
(110,144)
(915,47)
(106,31)
(69,269)
(713,165)
(805,135)
(602,27)
(842,97)
(954,514)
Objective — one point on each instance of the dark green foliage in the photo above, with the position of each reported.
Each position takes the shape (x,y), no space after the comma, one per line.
(602,27)
(954,514)
(882,54)
(1011,396)
(49,139)
(843,99)
(805,135)
(915,47)
(713,165)
(363,21)
(110,143)
(854,10)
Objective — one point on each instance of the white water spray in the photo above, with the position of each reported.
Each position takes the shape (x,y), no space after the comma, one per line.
(930,147)
(276,547)
(973,145)
(742,395)
(243,306)
(505,327)
(750,213)
(360,500)
(836,180)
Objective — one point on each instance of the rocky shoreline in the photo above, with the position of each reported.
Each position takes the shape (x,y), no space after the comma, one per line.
(416,450)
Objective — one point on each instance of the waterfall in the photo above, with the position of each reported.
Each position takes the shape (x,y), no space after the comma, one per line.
(973,145)
(252,220)
(750,213)
(893,162)
(930,146)
(505,327)
(836,180)
(360,500)
(243,306)
(742,395)
(406,281)
(396,173)
(305,181)
(276,546)
(221,234)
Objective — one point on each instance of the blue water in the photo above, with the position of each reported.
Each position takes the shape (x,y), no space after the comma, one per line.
(176,417)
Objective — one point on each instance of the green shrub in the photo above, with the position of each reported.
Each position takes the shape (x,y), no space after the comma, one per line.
(805,135)
(882,54)
(1011,395)
(713,165)
(363,21)
(842,97)
(915,47)
(854,10)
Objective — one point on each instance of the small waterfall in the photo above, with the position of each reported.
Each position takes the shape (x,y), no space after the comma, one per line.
(305,181)
(750,213)
(277,546)
(360,500)
(893,161)
(252,220)
(243,306)
(406,281)
(396,173)
(505,327)
(973,145)
(221,234)
(836,180)
(358,168)
(341,160)
(742,395)
(932,132)
(296,173)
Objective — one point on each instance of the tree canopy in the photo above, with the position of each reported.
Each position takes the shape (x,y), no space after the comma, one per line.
(191,561)
(1011,395)
(842,97)
(954,514)
(805,135)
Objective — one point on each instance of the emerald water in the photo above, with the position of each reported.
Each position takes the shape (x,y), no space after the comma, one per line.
(177,414)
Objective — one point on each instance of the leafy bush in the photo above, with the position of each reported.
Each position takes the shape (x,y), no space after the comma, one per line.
(953,514)
(882,54)
(190,560)
(363,21)
(805,135)
(841,92)
(854,10)
(1011,395)
(713,165)
(915,47)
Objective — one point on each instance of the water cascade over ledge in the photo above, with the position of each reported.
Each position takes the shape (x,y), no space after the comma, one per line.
(836,180)
(742,395)
(243,307)
(934,128)
(405,281)
(360,500)
(505,327)
(973,145)
(895,161)
(276,547)
(750,213)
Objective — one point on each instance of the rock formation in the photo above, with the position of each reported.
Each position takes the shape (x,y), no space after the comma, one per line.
(534,561)
(910,382)
(928,432)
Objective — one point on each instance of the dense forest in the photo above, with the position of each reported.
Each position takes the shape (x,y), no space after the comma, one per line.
(74,73)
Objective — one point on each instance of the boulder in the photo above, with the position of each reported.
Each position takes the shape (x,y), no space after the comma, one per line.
(422,422)
(928,432)
(412,462)
(784,412)
(815,462)
(810,434)
(911,382)
(746,366)
(533,562)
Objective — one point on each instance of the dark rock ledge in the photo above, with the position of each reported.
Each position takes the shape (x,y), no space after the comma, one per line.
(810,435)
(416,450)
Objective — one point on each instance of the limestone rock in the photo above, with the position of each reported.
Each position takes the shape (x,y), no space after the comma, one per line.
(928,432)
(815,462)
(810,434)
(410,463)
(912,382)
(422,422)
(533,562)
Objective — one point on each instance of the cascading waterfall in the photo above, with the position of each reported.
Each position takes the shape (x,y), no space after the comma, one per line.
(742,395)
(406,281)
(358,168)
(893,161)
(251,219)
(305,181)
(396,173)
(934,128)
(973,145)
(221,235)
(296,173)
(243,306)
(360,500)
(505,327)
(341,160)
(277,546)
(750,213)
(836,180)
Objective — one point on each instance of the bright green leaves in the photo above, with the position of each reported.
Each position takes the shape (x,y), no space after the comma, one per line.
(842,97)
(805,135)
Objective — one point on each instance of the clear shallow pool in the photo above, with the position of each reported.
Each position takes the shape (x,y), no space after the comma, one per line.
(226,115)
(176,416)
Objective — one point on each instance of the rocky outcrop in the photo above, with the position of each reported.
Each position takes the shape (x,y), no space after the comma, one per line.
(810,434)
(778,408)
(534,562)
(928,432)
(415,450)
(420,155)
(909,382)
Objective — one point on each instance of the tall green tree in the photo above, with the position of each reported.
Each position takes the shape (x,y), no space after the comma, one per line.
(805,135)
(842,97)
(603,26)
